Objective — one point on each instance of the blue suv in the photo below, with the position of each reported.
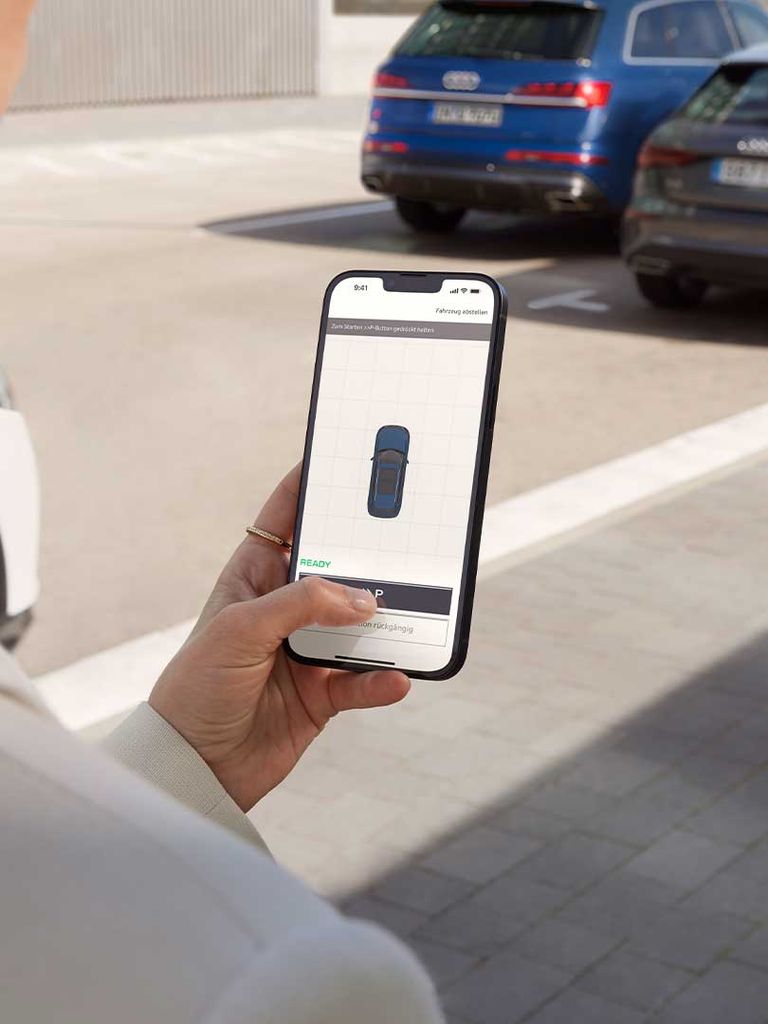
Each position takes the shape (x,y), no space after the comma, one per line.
(537,106)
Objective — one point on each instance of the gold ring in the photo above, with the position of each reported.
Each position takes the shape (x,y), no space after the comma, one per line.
(256,531)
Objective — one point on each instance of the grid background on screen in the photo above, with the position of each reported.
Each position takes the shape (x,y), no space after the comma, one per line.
(435,389)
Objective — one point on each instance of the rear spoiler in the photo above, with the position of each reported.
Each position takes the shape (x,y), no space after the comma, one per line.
(756,55)
(479,5)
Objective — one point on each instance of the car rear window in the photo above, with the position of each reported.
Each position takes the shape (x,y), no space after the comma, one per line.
(693,30)
(387,480)
(752,23)
(538,31)
(735,95)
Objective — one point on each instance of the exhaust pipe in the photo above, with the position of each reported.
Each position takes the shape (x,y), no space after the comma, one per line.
(566,202)
(655,265)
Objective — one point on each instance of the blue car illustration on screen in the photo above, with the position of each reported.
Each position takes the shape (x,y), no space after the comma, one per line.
(390,458)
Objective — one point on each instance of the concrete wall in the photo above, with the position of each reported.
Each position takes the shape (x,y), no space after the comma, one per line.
(355,46)
(88,52)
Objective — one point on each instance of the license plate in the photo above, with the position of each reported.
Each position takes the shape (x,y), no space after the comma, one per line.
(480,115)
(744,173)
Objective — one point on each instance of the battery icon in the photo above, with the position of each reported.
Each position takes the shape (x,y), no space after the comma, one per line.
(474,291)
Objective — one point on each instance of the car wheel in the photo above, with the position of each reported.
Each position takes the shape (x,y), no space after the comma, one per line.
(613,226)
(671,292)
(423,216)
(12,630)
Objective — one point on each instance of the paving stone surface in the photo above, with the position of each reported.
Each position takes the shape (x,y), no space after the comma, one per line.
(730,993)
(576,828)
(683,859)
(574,1005)
(634,980)
(504,988)
(565,945)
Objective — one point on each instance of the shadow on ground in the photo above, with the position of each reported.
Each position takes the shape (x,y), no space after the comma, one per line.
(632,877)
(582,266)
(375,228)
(726,317)
(629,881)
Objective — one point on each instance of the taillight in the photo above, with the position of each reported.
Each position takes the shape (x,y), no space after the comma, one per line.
(664,156)
(578,159)
(585,94)
(384,80)
(381,146)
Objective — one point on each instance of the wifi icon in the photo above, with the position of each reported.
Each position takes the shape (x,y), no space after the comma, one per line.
(464,291)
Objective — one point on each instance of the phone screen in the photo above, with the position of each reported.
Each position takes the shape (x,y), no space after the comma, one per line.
(391,465)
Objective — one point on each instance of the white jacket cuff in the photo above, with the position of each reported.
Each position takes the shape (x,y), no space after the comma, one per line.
(151,747)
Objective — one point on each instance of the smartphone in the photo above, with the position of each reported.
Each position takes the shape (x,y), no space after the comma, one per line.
(396,464)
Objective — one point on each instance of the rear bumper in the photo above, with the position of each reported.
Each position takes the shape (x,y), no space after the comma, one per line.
(722,247)
(521,190)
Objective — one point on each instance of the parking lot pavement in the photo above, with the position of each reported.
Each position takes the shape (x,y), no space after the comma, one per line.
(577,828)
(164,365)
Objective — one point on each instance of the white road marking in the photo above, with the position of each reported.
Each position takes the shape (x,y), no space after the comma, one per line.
(306,217)
(531,521)
(196,153)
(571,300)
(163,155)
(111,682)
(118,155)
(40,162)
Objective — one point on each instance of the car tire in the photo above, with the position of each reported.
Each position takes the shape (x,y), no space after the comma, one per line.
(422,216)
(674,292)
(12,630)
(613,226)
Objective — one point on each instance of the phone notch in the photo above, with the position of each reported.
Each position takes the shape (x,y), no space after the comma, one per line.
(411,281)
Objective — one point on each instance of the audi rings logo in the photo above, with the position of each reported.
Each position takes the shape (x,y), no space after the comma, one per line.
(463,81)
(758,146)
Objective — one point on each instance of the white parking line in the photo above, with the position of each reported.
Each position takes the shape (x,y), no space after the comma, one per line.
(571,300)
(163,155)
(40,162)
(196,153)
(107,684)
(112,681)
(529,522)
(117,155)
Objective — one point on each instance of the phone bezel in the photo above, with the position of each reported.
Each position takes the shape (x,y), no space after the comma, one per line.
(480,479)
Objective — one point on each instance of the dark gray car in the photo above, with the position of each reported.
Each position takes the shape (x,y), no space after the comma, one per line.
(699,212)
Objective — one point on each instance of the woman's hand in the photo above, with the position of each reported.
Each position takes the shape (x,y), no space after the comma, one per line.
(233,694)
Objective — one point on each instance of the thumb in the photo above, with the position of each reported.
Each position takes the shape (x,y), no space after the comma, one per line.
(258,627)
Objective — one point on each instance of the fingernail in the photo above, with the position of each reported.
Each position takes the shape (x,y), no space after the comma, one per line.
(361,600)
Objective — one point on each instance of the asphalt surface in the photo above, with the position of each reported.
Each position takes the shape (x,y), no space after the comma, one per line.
(164,359)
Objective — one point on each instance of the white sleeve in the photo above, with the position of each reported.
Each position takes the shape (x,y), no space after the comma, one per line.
(348,972)
(151,747)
